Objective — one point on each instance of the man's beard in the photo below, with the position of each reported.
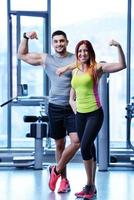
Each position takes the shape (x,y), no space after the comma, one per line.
(62,51)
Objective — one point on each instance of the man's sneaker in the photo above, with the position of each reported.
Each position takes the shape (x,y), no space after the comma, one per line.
(86,191)
(64,186)
(53,178)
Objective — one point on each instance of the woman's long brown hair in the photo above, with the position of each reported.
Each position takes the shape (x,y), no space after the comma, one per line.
(92,58)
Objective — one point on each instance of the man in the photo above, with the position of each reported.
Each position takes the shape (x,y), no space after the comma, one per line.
(61,116)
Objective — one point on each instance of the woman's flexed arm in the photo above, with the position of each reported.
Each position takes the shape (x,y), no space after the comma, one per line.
(66,68)
(117,66)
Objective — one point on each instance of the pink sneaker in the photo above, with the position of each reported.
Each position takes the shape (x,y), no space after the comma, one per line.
(82,193)
(89,196)
(87,192)
(53,178)
(64,186)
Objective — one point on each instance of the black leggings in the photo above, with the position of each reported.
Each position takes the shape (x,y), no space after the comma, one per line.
(88,126)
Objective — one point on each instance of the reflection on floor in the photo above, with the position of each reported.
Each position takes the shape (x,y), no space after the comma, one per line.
(29,184)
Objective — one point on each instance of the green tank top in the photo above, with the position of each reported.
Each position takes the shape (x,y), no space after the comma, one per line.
(87,97)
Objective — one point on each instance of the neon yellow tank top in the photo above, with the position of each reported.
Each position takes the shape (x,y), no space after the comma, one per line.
(87,97)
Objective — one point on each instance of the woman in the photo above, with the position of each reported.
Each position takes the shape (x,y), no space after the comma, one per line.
(85,102)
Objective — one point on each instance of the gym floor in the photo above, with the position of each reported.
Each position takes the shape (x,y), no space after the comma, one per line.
(30,184)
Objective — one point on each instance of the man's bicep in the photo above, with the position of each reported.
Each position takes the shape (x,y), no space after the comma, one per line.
(35,58)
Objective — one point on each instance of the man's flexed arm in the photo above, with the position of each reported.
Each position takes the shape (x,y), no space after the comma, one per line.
(32,58)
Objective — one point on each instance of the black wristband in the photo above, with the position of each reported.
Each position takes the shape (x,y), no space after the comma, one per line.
(25,36)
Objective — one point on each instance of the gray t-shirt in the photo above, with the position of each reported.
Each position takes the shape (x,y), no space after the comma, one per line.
(60,86)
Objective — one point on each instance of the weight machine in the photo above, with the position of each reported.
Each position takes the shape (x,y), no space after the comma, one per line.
(38,131)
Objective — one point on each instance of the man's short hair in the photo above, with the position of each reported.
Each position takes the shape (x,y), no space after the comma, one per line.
(59,32)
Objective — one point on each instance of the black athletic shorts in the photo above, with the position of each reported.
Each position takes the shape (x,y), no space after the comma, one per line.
(61,121)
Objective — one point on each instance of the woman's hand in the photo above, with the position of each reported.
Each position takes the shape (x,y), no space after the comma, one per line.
(114,43)
(60,71)
(73,105)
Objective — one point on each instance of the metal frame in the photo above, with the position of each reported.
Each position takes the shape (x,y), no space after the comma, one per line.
(129,145)
(46,15)
(125,154)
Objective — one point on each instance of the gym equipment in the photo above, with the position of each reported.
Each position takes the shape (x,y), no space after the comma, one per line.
(123,157)
(38,131)
(9,101)
(129,116)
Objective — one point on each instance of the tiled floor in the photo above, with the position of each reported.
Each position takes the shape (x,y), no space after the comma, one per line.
(30,184)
